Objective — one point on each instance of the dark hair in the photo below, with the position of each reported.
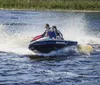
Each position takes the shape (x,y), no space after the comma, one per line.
(54,27)
(47,25)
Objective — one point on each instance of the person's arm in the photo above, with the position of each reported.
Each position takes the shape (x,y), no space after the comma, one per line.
(44,34)
(60,34)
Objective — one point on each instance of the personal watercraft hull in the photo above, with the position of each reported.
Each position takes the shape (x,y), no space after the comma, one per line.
(49,45)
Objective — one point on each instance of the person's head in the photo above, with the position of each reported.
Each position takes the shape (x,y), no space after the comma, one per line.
(47,26)
(54,28)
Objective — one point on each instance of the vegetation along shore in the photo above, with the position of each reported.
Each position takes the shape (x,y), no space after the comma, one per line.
(93,5)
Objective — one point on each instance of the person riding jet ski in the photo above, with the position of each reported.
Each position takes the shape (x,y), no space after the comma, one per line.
(51,40)
(52,33)
(59,35)
(45,34)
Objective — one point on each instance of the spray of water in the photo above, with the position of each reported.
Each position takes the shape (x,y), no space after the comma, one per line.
(17,43)
(74,28)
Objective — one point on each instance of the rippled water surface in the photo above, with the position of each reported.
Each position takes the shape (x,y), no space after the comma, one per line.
(20,66)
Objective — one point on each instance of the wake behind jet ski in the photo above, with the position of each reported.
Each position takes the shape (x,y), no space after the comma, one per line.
(49,41)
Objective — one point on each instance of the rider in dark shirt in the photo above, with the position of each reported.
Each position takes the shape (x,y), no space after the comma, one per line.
(45,34)
(52,33)
(58,33)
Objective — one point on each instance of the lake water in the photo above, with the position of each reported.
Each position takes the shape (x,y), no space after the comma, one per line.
(20,66)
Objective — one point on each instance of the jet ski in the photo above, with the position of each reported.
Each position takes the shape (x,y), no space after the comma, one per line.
(45,45)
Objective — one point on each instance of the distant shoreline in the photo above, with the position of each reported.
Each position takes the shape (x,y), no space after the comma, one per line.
(51,10)
(52,5)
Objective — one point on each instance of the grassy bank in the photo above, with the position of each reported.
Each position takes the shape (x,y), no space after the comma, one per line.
(51,4)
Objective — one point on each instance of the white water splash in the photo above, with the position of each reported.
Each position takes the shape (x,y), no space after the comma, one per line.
(74,27)
(17,43)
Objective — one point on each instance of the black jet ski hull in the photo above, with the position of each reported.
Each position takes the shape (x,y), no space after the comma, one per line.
(49,45)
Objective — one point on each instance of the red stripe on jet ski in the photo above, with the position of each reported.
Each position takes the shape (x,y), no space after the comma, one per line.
(37,37)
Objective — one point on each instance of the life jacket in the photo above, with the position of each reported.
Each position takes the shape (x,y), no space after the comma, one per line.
(51,34)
